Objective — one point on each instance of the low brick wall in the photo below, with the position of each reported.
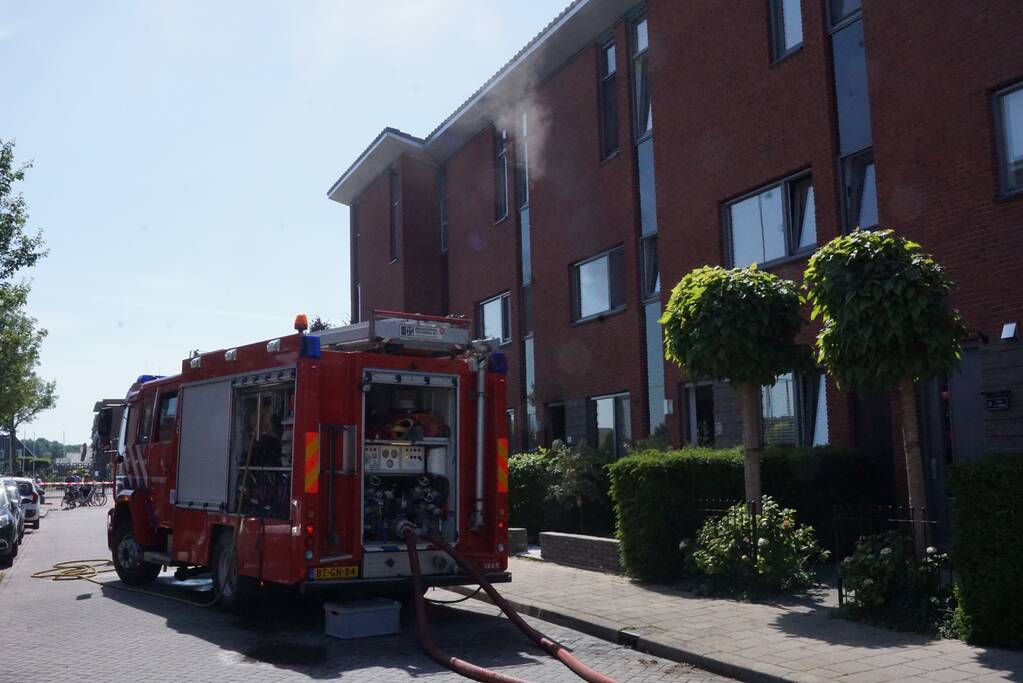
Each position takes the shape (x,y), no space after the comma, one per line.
(518,542)
(575,550)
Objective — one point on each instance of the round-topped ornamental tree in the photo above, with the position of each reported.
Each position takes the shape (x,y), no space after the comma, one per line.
(887,322)
(737,325)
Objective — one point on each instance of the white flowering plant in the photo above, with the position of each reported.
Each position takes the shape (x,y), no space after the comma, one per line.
(769,554)
(885,582)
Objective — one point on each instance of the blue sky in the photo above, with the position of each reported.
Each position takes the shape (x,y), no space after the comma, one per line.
(182,152)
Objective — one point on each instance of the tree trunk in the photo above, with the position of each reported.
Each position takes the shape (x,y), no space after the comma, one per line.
(914,465)
(749,396)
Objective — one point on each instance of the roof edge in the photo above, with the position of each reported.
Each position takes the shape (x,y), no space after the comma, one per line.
(399,136)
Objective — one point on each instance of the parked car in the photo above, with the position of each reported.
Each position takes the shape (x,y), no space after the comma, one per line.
(8,528)
(14,498)
(30,501)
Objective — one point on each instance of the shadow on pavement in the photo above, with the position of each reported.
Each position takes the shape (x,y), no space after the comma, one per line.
(285,629)
(837,631)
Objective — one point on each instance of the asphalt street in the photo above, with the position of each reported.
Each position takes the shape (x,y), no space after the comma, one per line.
(67,630)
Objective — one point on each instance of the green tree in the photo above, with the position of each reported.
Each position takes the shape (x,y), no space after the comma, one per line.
(319,324)
(886,322)
(737,325)
(22,393)
(17,249)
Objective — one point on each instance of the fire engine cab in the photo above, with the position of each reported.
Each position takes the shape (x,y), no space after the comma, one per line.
(301,460)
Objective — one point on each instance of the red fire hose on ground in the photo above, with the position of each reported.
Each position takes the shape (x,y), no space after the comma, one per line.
(462,667)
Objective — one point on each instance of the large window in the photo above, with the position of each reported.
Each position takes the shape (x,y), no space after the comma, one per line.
(643,113)
(598,285)
(1009,113)
(493,318)
(786,26)
(610,429)
(794,411)
(394,214)
(532,422)
(654,364)
(608,102)
(852,100)
(860,184)
(522,194)
(772,223)
(501,175)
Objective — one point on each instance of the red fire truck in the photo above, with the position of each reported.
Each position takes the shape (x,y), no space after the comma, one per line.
(301,460)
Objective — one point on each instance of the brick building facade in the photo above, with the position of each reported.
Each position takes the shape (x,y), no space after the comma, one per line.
(628,144)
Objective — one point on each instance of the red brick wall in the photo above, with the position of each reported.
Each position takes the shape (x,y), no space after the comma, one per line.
(932,70)
(382,281)
(728,121)
(581,206)
(483,255)
(420,246)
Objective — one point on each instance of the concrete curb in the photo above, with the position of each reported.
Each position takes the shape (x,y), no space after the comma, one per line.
(652,643)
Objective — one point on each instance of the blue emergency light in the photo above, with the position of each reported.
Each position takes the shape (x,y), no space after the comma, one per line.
(497,362)
(147,378)
(310,347)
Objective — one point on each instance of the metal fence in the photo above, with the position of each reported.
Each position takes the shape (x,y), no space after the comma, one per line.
(852,522)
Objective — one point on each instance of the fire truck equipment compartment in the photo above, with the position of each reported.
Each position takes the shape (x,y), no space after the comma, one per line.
(204,445)
(409,463)
(361,618)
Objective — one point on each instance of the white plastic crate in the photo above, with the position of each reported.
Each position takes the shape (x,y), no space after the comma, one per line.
(361,618)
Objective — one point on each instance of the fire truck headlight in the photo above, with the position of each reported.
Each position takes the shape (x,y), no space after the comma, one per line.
(309,554)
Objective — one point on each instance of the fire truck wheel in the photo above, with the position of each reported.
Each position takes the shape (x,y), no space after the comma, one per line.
(128,561)
(231,589)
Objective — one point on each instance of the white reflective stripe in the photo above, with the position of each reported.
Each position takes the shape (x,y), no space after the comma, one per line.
(127,467)
(142,465)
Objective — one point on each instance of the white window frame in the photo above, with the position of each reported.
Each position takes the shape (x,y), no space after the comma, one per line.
(1002,141)
(505,306)
(792,248)
(619,443)
(577,292)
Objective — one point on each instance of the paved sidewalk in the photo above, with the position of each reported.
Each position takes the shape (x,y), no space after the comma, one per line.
(790,639)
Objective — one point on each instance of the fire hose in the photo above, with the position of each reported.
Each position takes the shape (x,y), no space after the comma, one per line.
(467,669)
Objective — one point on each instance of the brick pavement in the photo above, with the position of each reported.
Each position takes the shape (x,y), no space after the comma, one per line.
(791,639)
(72,630)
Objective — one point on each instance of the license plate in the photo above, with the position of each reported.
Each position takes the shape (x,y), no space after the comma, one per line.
(350,571)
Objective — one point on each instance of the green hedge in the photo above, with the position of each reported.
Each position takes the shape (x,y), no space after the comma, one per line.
(656,493)
(987,550)
(531,480)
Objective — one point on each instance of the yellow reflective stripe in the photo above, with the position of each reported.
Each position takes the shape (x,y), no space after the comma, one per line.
(312,462)
(502,465)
